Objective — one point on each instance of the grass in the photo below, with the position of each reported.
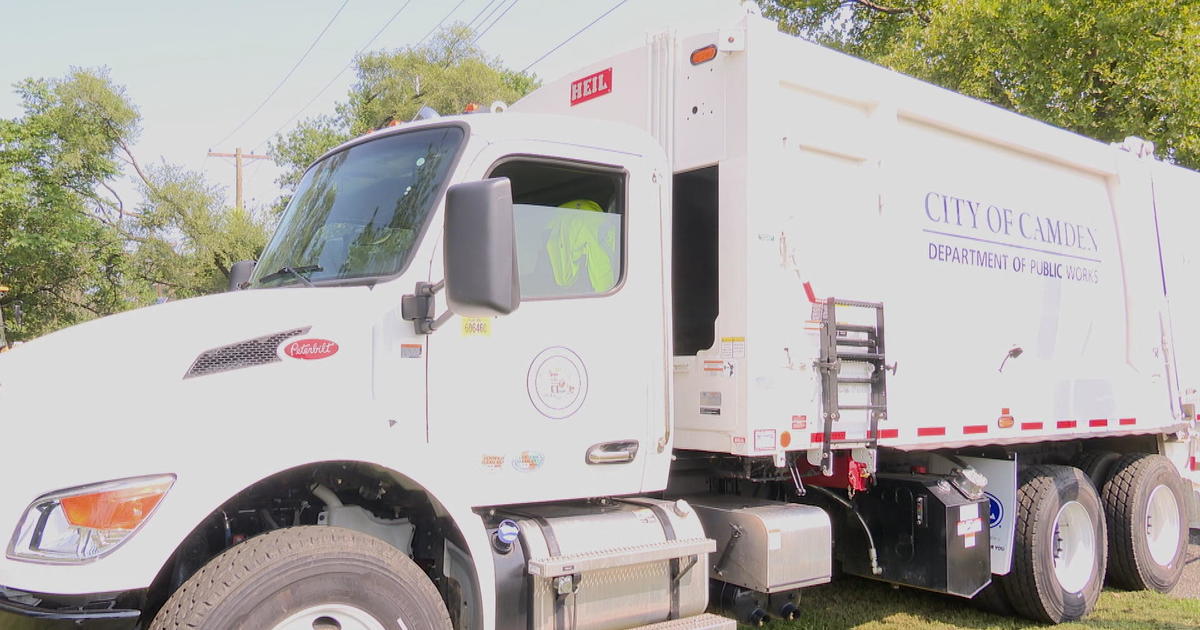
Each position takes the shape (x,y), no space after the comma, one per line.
(868,605)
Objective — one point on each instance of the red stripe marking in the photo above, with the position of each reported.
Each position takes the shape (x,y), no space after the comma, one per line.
(833,435)
(1098,422)
(928,431)
(1194,464)
(886,433)
(975,428)
(1031,426)
(1067,424)
(1128,421)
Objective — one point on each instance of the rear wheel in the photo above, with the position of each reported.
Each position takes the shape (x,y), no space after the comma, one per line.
(992,599)
(1059,545)
(307,578)
(1145,503)
(1097,465)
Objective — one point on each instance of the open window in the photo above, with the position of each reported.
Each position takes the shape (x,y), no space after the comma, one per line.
(694,265)
(570,227)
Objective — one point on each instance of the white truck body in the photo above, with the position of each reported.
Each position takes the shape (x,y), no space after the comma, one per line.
(980,231)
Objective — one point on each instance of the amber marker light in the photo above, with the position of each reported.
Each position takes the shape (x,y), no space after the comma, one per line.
(123,508)
(1006,420)
(703,55)
(785,439)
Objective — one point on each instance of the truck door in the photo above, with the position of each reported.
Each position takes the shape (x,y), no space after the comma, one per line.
(565,397)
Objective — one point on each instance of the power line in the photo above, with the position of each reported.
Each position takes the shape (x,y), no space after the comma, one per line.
(439,24)
(286,76)
(576,34)
(495,21)
(340,72)
(471,24)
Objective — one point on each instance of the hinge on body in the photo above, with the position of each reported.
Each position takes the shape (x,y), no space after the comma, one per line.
(421,310)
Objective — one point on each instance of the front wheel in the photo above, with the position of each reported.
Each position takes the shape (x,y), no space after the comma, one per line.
(1059,545)
(307,578)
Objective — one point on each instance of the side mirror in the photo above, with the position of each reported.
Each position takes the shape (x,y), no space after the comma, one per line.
(239,274)
(480,249)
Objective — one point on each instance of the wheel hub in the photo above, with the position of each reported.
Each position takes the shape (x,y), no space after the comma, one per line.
(331,617)
(1162,525)
(1073,547)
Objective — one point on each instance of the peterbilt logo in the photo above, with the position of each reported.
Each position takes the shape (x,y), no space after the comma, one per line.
(591,86)
(310,349)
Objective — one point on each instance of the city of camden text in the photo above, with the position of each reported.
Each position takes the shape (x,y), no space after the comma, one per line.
(976,215)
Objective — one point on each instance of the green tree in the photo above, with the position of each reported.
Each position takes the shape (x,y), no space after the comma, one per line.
(445,74)
(70,247)
(1106,69)
(185,239)
(61,251)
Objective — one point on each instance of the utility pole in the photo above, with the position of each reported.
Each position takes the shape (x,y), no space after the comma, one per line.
(239,156)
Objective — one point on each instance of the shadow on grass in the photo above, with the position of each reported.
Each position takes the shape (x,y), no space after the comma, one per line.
(868,605)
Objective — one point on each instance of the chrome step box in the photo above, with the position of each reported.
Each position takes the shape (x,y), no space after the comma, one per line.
(624,563)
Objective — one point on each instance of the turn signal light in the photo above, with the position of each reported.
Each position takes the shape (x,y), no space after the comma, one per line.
(702,55)
(123,508)
(1006,420)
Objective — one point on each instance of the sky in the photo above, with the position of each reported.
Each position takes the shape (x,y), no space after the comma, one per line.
(198,71)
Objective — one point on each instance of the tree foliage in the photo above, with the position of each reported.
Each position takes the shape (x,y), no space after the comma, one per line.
(70,247)
(58,250)
(1106,69)
(445,74)
(187,239)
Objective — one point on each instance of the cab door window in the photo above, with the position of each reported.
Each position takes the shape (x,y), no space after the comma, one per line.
(570,227)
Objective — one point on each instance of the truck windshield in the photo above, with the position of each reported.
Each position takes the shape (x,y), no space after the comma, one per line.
(359,213)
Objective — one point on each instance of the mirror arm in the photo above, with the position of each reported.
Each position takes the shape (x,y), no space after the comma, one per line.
(421,310)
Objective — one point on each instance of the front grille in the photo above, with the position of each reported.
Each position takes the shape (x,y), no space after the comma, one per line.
(258,351)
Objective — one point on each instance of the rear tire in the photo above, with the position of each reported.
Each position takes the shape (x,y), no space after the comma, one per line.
(1145,502)
(1097,465)
(992,599)
(302,578)
(1059,545)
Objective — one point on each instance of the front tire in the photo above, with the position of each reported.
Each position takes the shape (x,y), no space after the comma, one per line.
(1145,501)
(305,578)
(1060,545)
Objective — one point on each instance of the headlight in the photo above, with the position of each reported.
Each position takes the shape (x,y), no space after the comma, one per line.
(85,523)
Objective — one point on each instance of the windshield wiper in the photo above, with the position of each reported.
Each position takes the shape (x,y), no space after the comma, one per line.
(298,272)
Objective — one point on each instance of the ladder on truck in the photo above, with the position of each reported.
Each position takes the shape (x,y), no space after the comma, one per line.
(843,343)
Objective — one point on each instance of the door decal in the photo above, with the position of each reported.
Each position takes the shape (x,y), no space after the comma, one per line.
(557,382)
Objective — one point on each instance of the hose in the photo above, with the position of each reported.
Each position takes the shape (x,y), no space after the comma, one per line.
(871,554)
(325,495)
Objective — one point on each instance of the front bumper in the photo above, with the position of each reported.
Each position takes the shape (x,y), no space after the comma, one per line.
(32,611)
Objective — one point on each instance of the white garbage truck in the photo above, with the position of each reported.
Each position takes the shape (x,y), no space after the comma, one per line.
(664,344)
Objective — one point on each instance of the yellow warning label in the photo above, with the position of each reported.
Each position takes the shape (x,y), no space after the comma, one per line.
(733,347)
(476,327)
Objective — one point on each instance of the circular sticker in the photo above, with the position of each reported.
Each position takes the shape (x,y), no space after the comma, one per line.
(557,382)
(995,510)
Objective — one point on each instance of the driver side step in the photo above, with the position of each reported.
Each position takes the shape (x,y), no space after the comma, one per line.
(567,564)
(704,621)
